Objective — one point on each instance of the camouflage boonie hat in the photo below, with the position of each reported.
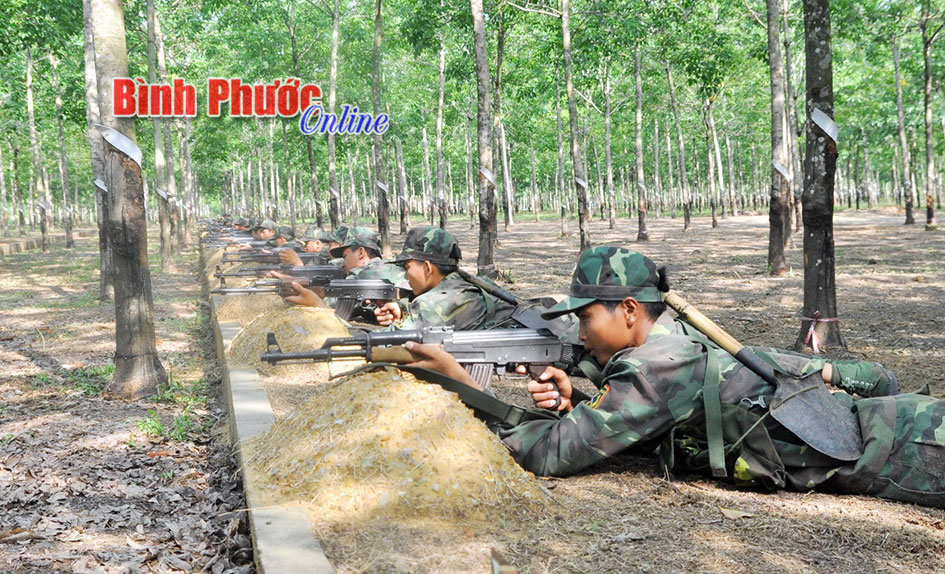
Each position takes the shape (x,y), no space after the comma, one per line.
(253,222)
(285,231)
(315,233)
(608,273)
(340,234)
(430,244)
(242,221)
(358,237)
(266,224)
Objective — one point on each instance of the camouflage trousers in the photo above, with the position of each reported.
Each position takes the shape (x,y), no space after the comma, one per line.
(904,451)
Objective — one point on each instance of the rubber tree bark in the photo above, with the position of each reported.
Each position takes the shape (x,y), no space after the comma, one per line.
(158,132)
(92,117)
(63,165)
(440,164)
(642,233)
(928,38)
(681,149)
(175,235)
(820,287)
(779,190)
(485,261)
(40,189)
(561,178)
(138,370)
(383,208)
(580,179)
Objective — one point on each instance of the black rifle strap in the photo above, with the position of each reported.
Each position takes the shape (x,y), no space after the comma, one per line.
(487,407)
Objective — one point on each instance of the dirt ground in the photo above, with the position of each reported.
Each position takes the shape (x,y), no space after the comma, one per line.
(624,516)
(95,486)
(89,485)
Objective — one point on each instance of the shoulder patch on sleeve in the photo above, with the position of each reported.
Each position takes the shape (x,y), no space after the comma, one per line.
(593,403)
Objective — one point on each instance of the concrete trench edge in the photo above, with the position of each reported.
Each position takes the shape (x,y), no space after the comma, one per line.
(284,540)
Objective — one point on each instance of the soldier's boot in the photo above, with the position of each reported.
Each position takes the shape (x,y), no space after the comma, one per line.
(864,378)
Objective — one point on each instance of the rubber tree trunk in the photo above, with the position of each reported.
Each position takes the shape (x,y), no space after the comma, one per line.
(138,370)
(580,179)
(170,177)
(190,189)
(485,261)
(561,179)
(402,186)
(6,208)
(681,149)
(927,40)
(158,131)
(779,191)
(440,165)
(383,208)
(794,149)
(334,193)
(63,165)
(720,190)
(713,191)
(642,233)
(429,193)
(39,190)
(92,117)
(536,202)
(820,288)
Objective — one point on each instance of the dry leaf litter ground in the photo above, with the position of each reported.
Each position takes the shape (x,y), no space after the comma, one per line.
(88,485)
(623,516)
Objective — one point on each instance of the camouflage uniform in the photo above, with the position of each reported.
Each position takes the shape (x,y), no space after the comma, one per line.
(375,267)
(454,301)
(315,233)
(653,396)
(286,232)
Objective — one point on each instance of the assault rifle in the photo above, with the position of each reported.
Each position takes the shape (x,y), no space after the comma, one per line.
(303,271)
(270,257)
(281,287)
(358,294)
(351,294)
(480,352)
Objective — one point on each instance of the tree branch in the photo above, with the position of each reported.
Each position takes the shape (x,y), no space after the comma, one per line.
(753,15)
(588,100)
(529,8)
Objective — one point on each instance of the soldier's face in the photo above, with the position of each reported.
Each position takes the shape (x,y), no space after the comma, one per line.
(264,233)
(604,332)
(418,274)
(354,257)
(314,246)
(280,241)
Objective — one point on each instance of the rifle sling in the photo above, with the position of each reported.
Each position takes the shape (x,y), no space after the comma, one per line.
(486,407)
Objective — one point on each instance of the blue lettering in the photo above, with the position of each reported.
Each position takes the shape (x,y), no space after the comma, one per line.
(381,124)
(304,126)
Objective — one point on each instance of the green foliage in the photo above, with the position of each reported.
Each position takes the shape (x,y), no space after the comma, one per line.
(90,380)
(151,426)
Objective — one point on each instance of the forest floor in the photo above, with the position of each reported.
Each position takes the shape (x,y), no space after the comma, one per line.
(100,486)
(89,485)
(624,516)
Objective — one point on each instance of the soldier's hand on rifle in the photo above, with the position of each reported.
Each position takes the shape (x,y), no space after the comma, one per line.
(433,357)
(280,275)
(552,383)
(305,297)
(388,313)
(289,257)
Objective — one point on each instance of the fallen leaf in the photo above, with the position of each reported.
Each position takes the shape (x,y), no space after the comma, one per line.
(735,514)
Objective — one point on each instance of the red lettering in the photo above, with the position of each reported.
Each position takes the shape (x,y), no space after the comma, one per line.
(160,100)
(242,102)
(124,97)
(218,90)
(185,99)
